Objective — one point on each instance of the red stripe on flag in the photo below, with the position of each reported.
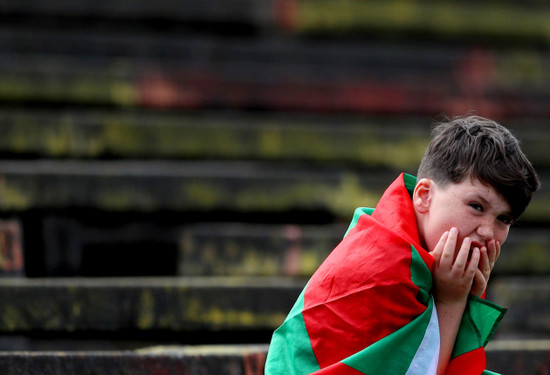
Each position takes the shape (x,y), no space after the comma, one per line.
(338,369)
(470,363)
(362,293)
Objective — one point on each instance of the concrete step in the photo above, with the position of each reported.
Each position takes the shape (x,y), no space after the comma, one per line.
(525,252)
(389,141)
(255,249)
(204,72)
(209,303)
(450,20)
(147,186)
(371,141)
(257,13)
(78,247)
(528,301)
(453,19)
(57,306)
(209,249)
(211,360)
(517,357)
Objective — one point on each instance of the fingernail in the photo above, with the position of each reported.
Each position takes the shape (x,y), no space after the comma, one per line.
(454,230)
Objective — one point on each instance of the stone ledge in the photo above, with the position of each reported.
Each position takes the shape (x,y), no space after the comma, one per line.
(145,304)
(370,141)
(528,301)
(517,357)
(201,185)
(188,185)
(211,360)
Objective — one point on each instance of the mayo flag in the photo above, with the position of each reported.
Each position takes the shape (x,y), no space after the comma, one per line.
(368,308)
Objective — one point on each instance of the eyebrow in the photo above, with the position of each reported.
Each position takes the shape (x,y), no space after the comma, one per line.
(486,202)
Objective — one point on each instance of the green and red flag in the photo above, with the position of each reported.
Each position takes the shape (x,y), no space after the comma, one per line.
(368,309)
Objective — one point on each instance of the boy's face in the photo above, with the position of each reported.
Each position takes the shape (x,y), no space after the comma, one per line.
(477,210)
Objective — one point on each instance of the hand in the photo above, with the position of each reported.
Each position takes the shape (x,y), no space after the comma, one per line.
(487,262)
(453,276)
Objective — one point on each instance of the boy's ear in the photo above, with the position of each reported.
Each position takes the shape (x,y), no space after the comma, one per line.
(422,195)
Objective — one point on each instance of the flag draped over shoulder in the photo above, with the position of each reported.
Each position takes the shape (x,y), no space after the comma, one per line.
(368,308)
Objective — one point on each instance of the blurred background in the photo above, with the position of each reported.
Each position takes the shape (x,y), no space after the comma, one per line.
(172,172)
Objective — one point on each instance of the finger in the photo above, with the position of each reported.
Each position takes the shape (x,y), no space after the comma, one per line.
(472,267)
(447,255)
(436,252)
(492,252)
(462,256)
(479,284)
(485,264)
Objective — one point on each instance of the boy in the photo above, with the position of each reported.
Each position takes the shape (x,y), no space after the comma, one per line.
(401,293)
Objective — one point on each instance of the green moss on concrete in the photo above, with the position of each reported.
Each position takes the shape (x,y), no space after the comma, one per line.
(12,197)
(146,310)
(217,318)
(90,134)
(449,18)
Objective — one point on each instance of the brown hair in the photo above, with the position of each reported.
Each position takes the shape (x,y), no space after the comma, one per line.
(476,147)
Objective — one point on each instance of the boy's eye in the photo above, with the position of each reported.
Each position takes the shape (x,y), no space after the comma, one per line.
(505,219)
(476,206)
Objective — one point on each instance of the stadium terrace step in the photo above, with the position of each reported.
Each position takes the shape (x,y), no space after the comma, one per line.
(327,138)
(231,249)
(241,249)
(454,19)
(368,141)
(528,301)
(211,360)
(79,247)
(250,12)
(126,305)
(199,303)
(525,252)
(146,186)
(441,21)
(204,72)
(517,357)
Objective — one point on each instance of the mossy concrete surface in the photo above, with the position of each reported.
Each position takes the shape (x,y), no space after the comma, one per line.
(518,357)
(200,185)
(528,301)
(369,141)
(207,360)
(192,185)
(144,304)
(240,249)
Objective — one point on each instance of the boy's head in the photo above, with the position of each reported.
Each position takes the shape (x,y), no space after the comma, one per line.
(478,148)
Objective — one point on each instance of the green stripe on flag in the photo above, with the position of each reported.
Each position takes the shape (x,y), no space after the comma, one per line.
(290,347)
(394,353)
(410,183)
(356,215)
(421,276)
(478,325)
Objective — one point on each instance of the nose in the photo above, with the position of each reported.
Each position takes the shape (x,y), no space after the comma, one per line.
(486,229)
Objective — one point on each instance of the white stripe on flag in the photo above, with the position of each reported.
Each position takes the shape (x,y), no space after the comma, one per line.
(427,355)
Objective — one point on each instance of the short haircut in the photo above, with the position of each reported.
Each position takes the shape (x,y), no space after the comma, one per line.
(476,147)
